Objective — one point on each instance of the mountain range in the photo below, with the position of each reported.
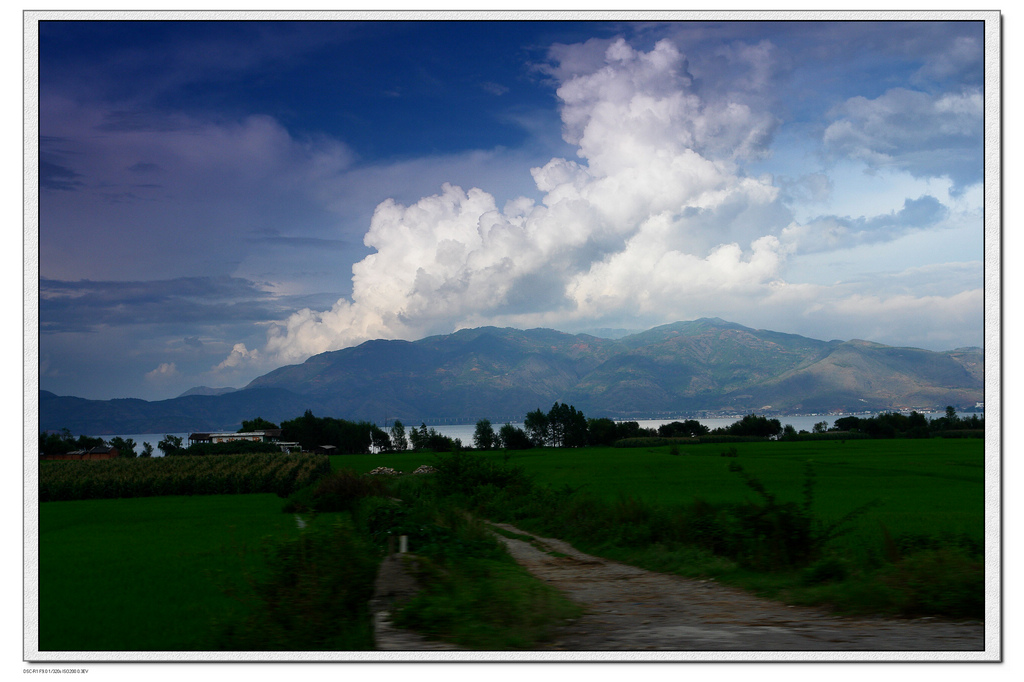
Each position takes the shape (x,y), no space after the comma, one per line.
(687,368)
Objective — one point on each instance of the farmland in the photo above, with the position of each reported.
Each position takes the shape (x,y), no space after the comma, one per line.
(148,573)
(921,485)
(879,526)
(167,572)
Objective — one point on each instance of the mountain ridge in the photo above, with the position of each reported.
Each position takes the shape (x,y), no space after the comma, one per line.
(697,367)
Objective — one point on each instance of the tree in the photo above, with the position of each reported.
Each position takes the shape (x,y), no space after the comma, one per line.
(753,425)
(171,445)
(257,424)
(820,427)
(602,431)
(567,427)
(398,440)
(125,446)
(418,437)
(847,424)
(513,438)
(147,450)
(379,440)
(537,427)
(483,436)
(951,417)
(691,428)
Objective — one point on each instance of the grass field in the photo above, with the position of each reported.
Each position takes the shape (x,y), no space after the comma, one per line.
(146,574)
(152,574)
(925,486)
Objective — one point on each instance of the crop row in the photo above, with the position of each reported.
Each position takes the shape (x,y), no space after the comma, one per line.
(225,475)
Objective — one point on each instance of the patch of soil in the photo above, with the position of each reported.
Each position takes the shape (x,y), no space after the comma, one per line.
(631,609)
(396,583)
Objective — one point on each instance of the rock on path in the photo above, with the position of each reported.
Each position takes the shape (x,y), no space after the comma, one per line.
(631,609)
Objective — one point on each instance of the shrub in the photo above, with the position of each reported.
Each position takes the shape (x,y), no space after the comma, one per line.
(464,473)
(341,490)
(826,570)
(314,597)
(943,581)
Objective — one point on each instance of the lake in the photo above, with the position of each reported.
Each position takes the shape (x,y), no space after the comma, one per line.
(464,432)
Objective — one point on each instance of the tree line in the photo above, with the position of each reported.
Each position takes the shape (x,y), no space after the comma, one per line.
(563,426)
(64,442)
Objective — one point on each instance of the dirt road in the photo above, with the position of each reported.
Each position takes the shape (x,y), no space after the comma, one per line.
(630,609)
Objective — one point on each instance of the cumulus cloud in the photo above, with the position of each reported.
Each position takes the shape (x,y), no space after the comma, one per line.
(655,218)
(654,160)
(239,355)
(164,372)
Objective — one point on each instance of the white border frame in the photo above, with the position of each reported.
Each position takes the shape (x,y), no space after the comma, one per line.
(993,312)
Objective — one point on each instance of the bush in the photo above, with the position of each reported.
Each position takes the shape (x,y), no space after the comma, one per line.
(463,473)
(826,570)
(938,581)
(338,491)
(314,597)
(473,592)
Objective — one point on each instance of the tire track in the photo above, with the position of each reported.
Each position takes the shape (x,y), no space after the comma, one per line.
(631,609)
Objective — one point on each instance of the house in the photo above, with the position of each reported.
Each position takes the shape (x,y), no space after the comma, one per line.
(264,436)
(326,450)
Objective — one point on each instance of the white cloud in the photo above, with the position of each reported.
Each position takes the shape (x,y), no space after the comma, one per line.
(655,220)
(238,356)
(165,371)
(648,146)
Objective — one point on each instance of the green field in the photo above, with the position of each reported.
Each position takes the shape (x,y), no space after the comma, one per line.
(155,573)
(923,486)
(148,574)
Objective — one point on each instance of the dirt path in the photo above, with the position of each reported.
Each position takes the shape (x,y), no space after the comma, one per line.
(630,609)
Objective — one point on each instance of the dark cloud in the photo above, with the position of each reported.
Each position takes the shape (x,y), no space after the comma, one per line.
(922,212)
(54,176)
(830,232)
(135,121)
(85,306)
(926,135)
(144,168)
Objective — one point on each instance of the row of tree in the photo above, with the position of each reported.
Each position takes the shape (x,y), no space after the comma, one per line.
(63,442)
(914,425)
(563,426)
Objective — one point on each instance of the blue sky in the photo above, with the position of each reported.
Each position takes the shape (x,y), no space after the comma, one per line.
(221,198)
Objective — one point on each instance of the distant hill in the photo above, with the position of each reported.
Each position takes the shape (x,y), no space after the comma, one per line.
(706,365)
(206,390)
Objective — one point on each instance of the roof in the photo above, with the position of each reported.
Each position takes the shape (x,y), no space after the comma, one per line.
(265,433)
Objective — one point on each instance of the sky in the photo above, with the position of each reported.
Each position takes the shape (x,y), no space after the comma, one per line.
(218,199)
